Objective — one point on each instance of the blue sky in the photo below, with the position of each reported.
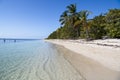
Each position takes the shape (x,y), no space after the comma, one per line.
(38,18)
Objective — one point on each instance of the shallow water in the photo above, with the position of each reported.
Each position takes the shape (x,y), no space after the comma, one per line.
(34,60)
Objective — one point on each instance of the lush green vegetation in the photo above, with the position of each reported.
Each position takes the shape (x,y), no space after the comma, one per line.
(76,25)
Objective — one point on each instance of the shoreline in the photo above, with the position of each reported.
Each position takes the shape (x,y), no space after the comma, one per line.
(90,65)
(88,68)
(106,55)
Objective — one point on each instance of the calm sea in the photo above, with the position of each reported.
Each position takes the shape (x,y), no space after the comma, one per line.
(34,60)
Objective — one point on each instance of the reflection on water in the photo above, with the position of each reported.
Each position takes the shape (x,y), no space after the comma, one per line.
(34,60)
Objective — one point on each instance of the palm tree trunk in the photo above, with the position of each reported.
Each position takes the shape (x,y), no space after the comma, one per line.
(87,34)
(77,31)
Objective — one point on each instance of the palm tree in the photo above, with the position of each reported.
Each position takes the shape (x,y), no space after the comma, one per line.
(84,14)
(64,18)
(71,9)
(68,15)
(73,17)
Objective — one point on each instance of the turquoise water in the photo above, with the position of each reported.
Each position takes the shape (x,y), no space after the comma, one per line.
(34,60)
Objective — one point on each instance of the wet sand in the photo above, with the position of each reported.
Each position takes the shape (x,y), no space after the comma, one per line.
(88,68)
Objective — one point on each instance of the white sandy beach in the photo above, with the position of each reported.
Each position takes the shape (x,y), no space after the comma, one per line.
(96,60)
(109,56)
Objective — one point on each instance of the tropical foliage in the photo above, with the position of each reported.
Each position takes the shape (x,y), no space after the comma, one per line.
(76,25)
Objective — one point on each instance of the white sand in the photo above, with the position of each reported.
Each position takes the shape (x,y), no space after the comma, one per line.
(88,68)
(108,55)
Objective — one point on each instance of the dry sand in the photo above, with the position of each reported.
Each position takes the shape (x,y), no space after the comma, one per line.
(96,60)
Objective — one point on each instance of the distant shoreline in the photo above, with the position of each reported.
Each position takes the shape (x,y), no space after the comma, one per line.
(5,40)
(18,39)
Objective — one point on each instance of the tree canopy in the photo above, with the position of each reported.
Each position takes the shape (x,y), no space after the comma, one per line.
(75,25)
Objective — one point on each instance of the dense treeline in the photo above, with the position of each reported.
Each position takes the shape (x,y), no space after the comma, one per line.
(76,25)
